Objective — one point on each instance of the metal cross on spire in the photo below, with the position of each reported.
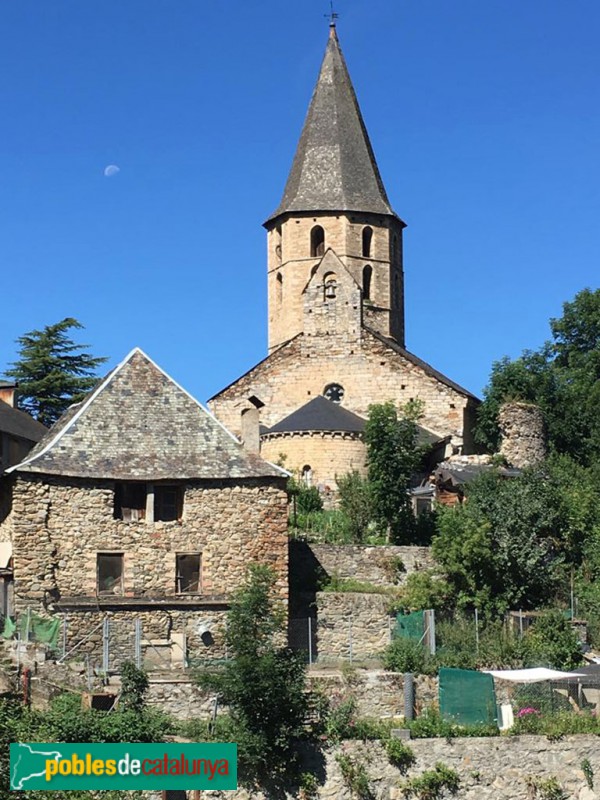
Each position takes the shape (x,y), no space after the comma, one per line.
(333,15)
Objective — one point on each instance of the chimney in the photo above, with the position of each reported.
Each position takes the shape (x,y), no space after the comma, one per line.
(250,430)
(7,393)
(523,434)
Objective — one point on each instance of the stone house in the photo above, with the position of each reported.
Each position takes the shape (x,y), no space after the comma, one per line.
(335,279)
(19,432)
(138,507)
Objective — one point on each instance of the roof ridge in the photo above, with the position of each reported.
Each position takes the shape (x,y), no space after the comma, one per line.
(84,404)
(419,362)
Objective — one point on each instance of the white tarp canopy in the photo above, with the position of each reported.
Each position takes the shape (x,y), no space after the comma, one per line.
(534,675)
(5,554)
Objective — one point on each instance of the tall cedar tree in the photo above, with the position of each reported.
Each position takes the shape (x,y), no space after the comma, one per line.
(52,371)
(392,458)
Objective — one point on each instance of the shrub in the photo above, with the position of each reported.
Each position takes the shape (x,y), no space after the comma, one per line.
(433,783)
(356,777)
(399,755)
(431,725)
(356,501)
(545,789)
(552,642)
(408,655)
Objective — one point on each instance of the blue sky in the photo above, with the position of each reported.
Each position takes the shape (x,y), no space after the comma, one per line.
(485,121)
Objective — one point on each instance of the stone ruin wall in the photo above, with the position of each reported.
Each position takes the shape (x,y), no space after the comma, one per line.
(523,434)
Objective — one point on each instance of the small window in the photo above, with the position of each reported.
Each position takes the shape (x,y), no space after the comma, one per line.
(330,286)
(317,242)
(168,505)
(307,475)
(423,505)
(367,238)
(130,501)
(334,392)
(279,285)
(394,249)
(109,571)
(367,275)
(188,573)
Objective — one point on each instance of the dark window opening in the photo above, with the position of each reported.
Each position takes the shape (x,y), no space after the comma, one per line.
(423,505)
(394,249)
(130,501)
(307,475)
(188,573)
(367,238)
(176,794)
(279,285)
(330,286)
(317,241)
(367,275)
(168,505)
(102,702)
(109,571)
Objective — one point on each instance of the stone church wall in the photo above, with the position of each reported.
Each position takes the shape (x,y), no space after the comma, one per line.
(370,372)
(323,452)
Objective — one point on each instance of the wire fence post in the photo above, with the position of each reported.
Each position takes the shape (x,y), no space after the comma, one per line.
(184,645)
(350,637)
(476,631)
(138,642)
(105,644)
(64,636)
(309,641)
(521,623)
(27,623)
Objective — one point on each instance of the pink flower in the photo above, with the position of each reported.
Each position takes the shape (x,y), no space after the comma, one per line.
(525,711)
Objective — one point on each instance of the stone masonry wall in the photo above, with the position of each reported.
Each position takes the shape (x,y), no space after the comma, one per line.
(371,564)
(523,434)
(323,452)
(289,256)
(59,526)
(352,626)
(378,694)
(370,372)
(489,769)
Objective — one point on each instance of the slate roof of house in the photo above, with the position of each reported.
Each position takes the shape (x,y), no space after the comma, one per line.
(18,423)
(334,168)
(138,424)
(320,414)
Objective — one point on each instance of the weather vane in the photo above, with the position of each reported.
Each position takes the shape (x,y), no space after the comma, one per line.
(332,14)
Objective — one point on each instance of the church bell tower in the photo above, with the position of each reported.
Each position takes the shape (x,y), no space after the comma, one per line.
(335,199)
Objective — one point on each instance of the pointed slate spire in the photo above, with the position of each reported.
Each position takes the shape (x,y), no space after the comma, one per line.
(334,168)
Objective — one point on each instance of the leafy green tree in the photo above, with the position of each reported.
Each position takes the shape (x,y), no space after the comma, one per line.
(263,684)
(505,547)
(52,371)
(356,502)
(562,377)
(552,642)
(392,459)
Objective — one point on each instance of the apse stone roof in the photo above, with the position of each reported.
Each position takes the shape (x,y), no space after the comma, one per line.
(320,414)
(334,168)
(17,423)
(138,424)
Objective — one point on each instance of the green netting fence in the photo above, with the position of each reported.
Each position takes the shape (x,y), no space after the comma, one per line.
(410,626)
(33,628)
(467,697)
